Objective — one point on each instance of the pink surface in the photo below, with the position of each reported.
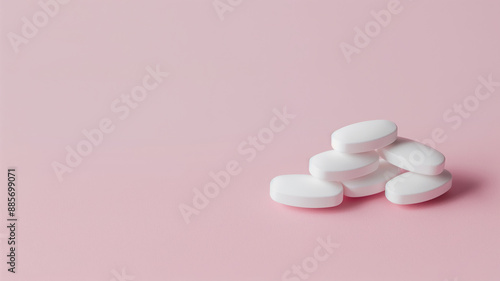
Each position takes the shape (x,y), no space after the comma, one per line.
(116,215)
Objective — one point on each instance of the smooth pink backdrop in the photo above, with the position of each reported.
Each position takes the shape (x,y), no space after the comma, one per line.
(119,208)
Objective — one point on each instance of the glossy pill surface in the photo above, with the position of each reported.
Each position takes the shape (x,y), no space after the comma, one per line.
(338,166)
(413,156)
(411,188)
(364,136)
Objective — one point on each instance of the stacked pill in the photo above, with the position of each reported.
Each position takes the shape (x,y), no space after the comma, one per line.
(367,158)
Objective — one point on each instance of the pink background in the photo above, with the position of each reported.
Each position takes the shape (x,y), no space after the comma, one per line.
(119,209)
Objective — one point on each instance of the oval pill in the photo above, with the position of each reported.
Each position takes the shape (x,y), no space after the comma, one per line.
(413,156)
(306,191)
(411,188)
(337,166)
(372,183)
(364,136)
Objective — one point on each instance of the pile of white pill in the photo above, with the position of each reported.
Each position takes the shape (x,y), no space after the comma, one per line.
(367,158)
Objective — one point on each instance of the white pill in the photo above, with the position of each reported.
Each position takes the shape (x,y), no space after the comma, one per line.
(364,136)
(411,188)
(338,166)
(372,183)
(306,191)
(413,156)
